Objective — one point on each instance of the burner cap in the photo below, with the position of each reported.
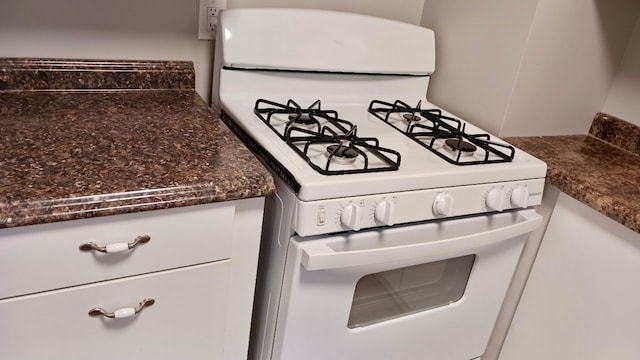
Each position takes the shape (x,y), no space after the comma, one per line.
(410,117)
(460,145)
(342,151)
(302,119)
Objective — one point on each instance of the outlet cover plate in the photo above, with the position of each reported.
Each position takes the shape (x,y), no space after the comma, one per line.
(208,18)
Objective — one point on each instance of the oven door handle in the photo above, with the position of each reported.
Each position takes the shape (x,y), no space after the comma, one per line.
(323,257)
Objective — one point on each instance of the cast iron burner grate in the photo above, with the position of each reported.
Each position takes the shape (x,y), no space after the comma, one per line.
(459,144)
(312,118)
(343,148)
(306,129)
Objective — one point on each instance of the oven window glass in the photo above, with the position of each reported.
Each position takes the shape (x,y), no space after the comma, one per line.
(399,292)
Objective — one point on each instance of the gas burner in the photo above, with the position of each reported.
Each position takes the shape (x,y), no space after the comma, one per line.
(304,119)
(411,117)
(342,152)
(282,119)
(331,153)
(443,135)
(460,145)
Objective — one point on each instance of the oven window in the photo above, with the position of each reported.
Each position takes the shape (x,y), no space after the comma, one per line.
(399,292)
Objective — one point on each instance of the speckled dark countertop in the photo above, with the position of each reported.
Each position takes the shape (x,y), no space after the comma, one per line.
(601,169)
(92,138)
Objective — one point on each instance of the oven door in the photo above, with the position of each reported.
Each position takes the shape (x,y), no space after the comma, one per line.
(426,291)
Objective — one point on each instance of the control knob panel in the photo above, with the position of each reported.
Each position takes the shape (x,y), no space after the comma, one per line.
(390,209)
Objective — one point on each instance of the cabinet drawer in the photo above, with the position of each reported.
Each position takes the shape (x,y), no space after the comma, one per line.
(187,320)
(44,257)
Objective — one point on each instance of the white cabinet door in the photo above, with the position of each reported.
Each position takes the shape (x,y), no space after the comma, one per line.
(581,299)
(187,320)
(179,237)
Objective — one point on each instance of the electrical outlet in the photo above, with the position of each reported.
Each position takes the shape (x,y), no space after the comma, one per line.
(212,12)
(208,18)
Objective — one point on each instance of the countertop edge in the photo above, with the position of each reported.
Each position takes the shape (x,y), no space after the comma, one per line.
(603,204)
(48,211)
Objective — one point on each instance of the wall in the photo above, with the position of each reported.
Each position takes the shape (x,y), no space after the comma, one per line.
(479,46)
(143,29)
(623,99)
(534,67)
(408,11)
(569,65)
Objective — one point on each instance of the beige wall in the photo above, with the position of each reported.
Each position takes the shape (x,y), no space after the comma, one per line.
(479,46)
(624,98)
(408,11)
(143,29)
(569,65)
(534,67)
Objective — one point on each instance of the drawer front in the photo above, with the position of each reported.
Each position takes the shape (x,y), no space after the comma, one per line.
(44,257)
(187,320)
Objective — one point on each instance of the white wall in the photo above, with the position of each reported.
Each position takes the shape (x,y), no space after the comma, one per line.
(408,11)
(534,67)
(569,65)
(143,29)
(623,100)
(479,46)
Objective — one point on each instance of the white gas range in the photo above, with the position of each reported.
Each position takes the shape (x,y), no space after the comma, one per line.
(396,226)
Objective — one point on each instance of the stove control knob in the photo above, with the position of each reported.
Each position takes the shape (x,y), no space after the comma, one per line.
(520,197)
(350,217)
(495,199)
(443,204)
(384,212)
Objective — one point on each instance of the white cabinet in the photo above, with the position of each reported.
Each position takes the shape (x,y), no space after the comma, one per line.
(178,237)
(187,320)
(199,267)
(581,299)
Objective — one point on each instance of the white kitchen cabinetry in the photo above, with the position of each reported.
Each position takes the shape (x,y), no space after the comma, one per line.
(581,299)
(187,321)
(199,267)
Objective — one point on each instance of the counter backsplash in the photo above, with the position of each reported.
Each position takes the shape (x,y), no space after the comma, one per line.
(617,132)
(71,74)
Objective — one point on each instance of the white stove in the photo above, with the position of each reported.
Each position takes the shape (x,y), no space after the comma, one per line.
(335,105)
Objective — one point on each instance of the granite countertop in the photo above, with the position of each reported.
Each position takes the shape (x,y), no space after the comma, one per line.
(601,169)
(94,138)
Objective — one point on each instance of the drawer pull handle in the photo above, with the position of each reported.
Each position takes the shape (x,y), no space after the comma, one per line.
(122,313)
(117,247)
